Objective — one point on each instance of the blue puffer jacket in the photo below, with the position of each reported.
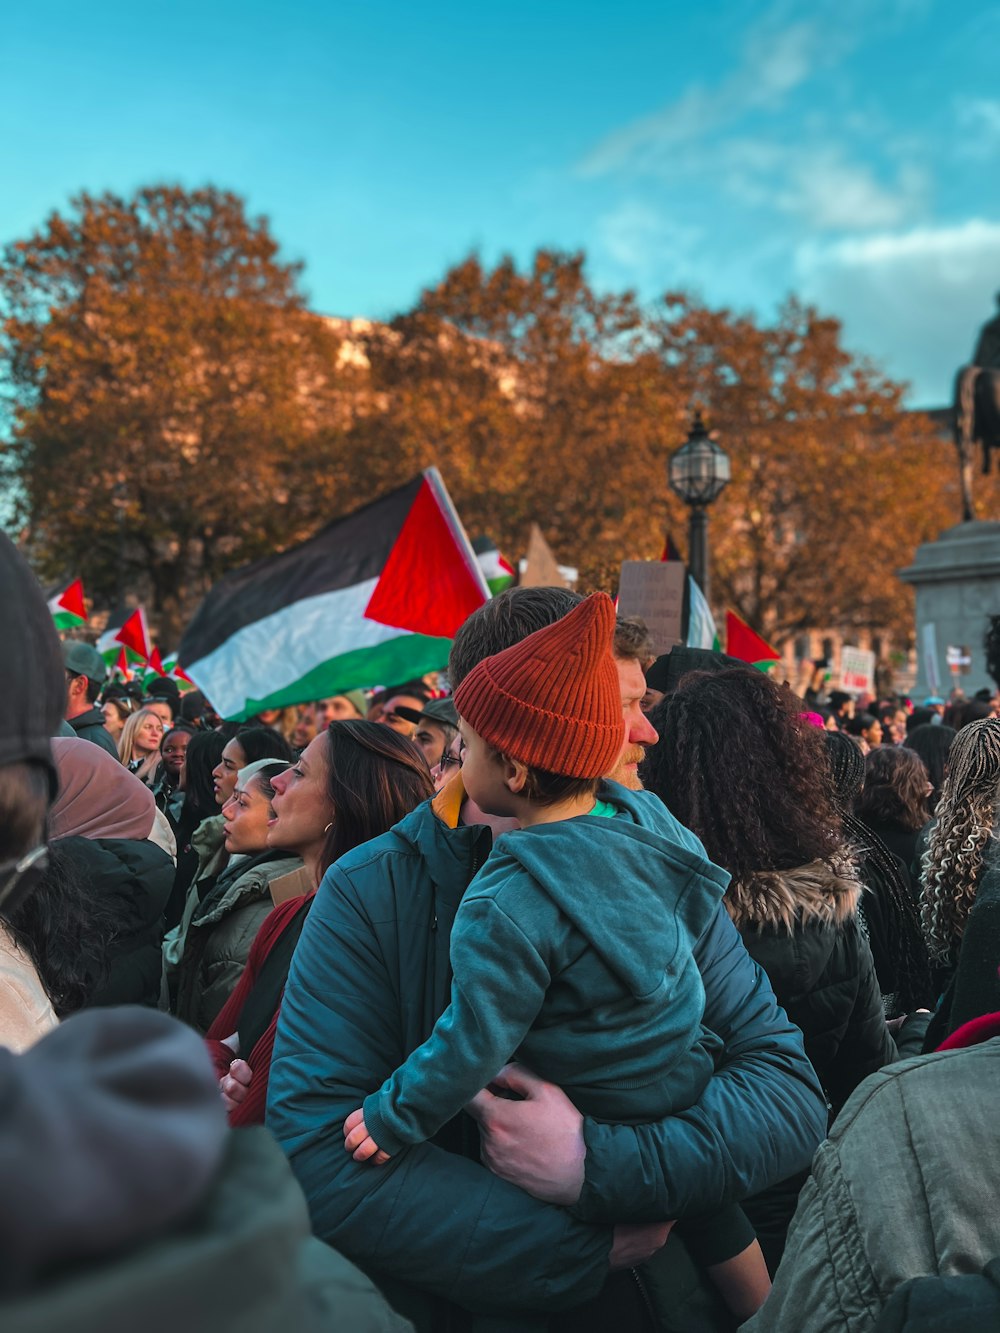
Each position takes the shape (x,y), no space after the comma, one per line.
(370,977)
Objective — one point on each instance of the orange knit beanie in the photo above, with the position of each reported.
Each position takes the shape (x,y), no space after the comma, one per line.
(553,700)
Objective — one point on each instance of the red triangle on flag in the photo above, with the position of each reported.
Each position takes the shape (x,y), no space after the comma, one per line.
(133,634)
(745,643)
(426,585)
(123,666)
(72,600)
(670,551)
(156,661)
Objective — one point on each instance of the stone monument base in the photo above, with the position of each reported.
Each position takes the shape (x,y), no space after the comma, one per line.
(957,582)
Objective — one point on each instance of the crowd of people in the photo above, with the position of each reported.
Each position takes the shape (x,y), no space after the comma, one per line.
(574,988)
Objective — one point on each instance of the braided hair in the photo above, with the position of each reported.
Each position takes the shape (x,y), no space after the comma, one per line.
(966,815)
(908,959)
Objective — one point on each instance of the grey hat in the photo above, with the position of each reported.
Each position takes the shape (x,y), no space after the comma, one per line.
(83,660)
(441,711)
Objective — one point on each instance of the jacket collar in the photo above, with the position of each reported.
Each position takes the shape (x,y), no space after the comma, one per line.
(820,893)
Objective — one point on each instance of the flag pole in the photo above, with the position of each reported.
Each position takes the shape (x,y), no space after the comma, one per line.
(436,482)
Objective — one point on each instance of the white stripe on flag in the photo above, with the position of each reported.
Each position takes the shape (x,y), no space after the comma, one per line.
(702,632)
(264,657)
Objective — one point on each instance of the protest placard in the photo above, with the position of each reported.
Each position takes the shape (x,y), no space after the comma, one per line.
(654,590)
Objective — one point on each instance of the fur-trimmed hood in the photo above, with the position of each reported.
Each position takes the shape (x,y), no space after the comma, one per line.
(820,893)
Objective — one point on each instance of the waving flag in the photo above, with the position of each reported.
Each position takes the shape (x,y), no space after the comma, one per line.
(68,608)
(374,598)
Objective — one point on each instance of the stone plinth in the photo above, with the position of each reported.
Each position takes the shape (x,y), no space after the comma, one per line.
(957,582)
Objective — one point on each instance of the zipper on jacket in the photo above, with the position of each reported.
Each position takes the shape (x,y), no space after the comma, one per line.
(644,1297)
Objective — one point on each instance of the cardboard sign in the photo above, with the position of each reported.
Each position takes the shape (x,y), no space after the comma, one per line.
(857,670)
(959,659)
(654,590)
(541,569)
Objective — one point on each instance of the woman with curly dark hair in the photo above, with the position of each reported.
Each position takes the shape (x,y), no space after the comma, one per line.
(738,765)
(893,800)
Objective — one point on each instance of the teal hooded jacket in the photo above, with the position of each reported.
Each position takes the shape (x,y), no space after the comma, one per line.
(440,1233)
(572,952)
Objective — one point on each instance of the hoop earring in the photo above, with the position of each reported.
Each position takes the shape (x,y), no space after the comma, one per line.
(328,827)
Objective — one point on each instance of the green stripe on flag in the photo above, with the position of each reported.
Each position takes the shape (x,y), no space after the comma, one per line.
(388,663)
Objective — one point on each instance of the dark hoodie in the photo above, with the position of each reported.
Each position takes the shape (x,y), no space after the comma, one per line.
(572,948)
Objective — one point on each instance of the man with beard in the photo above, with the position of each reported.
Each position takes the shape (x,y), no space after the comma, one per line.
(370,977)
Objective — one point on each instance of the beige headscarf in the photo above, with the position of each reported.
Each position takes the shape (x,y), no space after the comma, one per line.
(98,796)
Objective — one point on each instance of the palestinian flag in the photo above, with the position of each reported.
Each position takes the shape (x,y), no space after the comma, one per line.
(497,571)
(374,598)
(701,630)
(68,609)
(120,667)
(747,645)
(128,631)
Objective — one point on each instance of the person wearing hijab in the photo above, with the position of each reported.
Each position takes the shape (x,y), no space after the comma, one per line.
(102,826)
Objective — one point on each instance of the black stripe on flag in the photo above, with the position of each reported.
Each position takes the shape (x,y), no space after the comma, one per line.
(346,552)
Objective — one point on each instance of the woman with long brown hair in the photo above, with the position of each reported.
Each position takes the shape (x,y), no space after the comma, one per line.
(354,781)
(894,799)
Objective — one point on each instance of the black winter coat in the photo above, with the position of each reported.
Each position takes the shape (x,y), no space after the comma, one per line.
(90,726)
(131,881)
(801,927)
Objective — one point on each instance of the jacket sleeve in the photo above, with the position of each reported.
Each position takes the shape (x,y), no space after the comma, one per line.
(759,1120)
(867,1044)
(225,957)
(498,985)
(430,1218)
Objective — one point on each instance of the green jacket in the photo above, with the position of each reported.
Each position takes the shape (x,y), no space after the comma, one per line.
(371,975)
(220,933)
(590,983)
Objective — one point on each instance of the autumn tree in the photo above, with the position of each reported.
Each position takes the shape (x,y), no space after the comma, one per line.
(834,482)
(544,400)
(164,387)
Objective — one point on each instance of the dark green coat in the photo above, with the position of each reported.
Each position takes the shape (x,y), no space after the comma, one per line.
(369,978)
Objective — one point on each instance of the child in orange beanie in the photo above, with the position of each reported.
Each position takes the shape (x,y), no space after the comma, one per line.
(572,947)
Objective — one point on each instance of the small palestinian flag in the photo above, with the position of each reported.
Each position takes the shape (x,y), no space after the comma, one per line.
(747,645)
(120,667)
(375,597)
(128,631)
(497,571)
(68,609)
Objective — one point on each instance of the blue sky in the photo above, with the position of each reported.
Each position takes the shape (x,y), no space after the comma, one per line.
(847,151)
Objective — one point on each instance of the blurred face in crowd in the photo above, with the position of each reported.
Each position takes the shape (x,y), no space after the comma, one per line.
(335,709)
(162,711)
(448,764)
(873,734)
(302,808)
(269,716)
(433,740)
(225,773)
(247,813)
(173,750)
(639,731)
(305,727)
(148,735)
(390,718)
(114,719)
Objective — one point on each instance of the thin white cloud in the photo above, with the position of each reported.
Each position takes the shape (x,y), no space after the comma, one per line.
(923,292)
(774,64)
(978,121)
(640,240)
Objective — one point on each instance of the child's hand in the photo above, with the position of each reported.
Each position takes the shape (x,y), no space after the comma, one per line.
(358,1141)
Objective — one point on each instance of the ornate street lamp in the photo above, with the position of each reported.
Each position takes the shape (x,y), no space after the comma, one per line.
(698,472)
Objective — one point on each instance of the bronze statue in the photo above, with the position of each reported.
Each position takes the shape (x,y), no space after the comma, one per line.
(977,408)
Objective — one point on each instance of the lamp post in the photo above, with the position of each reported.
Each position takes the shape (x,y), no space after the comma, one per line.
(698,472)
